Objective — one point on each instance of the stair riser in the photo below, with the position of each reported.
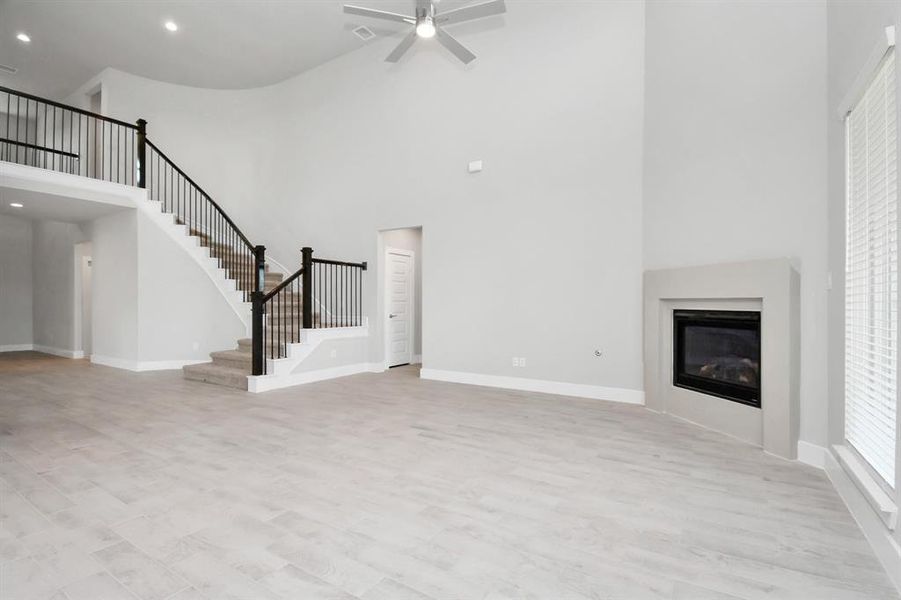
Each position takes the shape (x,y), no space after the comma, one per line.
(245,364)
(233,382)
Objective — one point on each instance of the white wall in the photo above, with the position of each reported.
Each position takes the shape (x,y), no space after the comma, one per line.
(53,256)
(15,282)
(114,241)
(153,305)
(539,256)
(181,314)
(735,162)
(212,134)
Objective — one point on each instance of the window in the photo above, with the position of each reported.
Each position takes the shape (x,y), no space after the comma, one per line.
(871,277)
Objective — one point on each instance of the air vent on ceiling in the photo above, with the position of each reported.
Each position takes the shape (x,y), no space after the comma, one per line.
(7,69)
(364,33)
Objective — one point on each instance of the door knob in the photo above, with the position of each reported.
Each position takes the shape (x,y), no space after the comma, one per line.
(391,316)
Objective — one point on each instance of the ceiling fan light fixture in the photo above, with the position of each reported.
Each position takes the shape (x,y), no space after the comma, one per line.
(425,23)
(426,27)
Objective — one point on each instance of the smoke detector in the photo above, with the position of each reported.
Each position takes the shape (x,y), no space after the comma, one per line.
(364,33)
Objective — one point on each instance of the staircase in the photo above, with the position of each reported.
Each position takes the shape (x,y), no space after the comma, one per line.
(282,306)
(231,367)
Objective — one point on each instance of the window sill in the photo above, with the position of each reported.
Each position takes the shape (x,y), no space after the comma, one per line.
(881,502)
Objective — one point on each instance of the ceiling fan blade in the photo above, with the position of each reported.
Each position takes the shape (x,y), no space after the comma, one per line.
(468,13)
(377,14)
(458,49)
(402,47)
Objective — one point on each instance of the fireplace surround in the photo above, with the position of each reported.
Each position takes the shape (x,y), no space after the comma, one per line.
(770,288)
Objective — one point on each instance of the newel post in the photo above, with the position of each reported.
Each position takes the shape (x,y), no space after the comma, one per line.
(307,301)
(259,268)
(256,299)
(142,153)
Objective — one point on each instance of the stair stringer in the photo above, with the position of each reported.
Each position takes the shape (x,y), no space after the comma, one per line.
(282,372)
(201,255)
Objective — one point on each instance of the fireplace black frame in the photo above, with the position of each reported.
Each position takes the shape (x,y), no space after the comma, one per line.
(733,319)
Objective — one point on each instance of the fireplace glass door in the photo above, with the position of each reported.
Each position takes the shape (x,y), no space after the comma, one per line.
(718,353)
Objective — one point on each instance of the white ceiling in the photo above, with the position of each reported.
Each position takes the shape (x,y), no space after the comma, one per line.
(53,207)
(220,43)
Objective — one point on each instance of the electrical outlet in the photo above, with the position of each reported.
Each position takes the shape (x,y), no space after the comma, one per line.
(334,354)
(522,362)
(196,345)
(515,361)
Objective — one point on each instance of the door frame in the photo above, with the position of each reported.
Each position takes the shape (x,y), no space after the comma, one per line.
(82,251)
(411,287)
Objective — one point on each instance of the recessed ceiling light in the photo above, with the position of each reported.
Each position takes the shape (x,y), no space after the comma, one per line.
(23,37)
(15,205)
(171,26)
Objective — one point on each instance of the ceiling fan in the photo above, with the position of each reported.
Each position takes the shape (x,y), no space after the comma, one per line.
(429,23)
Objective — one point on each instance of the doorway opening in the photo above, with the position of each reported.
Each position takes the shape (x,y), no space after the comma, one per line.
(82,317)
(401,283)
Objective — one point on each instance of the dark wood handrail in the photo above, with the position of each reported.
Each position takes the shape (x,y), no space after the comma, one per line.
(66,107)
(274,291)
(39,148)
(205,195)
(325,261)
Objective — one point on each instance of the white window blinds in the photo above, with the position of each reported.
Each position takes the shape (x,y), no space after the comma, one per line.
(871,282)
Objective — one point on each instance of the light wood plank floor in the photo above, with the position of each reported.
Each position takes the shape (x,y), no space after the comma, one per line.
(125,485)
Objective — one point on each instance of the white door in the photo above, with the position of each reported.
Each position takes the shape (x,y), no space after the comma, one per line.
(399,286)
(86,310)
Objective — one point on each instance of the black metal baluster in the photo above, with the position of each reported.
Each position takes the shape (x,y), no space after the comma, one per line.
(71,115)
(281,324)
(27,119)
(18,118)
(110,157)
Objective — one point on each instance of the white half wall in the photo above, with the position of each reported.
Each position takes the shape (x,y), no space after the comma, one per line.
(15,283)
(735,163)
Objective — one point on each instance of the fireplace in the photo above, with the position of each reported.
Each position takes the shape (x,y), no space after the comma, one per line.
(718,353)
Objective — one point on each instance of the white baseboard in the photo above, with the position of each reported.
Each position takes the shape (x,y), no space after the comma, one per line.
(16,347)
(811,454)
(265,383)
(560,388)
(140,366)
(58,351)
(874,530)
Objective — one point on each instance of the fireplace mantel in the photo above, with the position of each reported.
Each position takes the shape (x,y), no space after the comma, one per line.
(770,286)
